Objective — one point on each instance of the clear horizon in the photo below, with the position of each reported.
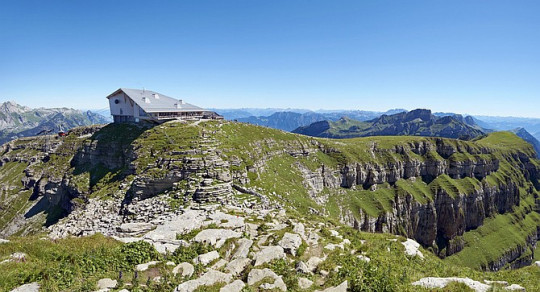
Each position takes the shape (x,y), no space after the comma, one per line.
(467,57)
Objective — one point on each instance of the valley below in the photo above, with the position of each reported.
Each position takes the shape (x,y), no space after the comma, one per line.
(228,206)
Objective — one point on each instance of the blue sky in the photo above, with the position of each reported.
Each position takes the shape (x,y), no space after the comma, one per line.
(477,57)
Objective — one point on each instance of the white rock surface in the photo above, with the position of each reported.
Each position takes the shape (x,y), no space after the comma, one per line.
(290,242)
(145,266)
(216,237)
(300,229)
(31,287)
(242,250)
(304,283)
(433,282)
(301,267)
(209,278)
(313,262)
(267,254)
(235,286)
(412,248)
(219,264)
(186,268)
(107,283)
(257,275)
(227,221)
(237,266)
(340,288)
(136,228)
(206,258)
(3,241)
(537,263)
(515,287)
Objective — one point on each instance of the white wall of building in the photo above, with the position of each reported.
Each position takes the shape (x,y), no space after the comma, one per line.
(121,105)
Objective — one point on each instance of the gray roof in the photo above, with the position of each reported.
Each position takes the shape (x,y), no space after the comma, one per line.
(162,104)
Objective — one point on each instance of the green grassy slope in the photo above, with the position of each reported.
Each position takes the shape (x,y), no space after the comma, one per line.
(273,162)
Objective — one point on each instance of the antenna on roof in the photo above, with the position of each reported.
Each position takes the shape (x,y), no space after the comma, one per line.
(143,89)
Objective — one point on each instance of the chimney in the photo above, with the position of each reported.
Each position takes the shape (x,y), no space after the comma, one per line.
(181,101)
(156,96)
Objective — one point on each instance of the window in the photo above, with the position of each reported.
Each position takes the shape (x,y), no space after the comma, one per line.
(116,101)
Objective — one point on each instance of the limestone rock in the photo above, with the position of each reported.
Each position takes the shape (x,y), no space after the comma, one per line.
(237,266)
(219,264)
(267,254)
(341,288)
(412,248)
(433,282)
(257,275)
(106,283)
(299,229)
(235,286)
(537,263)
(135,228)
(205,259)
(145,266)
(216,237)
(209,278)
(301,267)
(313,262)
(31,287)
(242,251)
(226,220)
(304,283)
(290,242)
(186,268)
(3,241)
(514,287)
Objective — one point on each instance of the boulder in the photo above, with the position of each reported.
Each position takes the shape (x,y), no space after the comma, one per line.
(302,268)
(216,237)
(299,229)
(313,262)
(205,259)
(209,278)
(537,263)
(237,266)
(145,266)
(341,288)
(257,275)
(235,286)
(304,283)
(186,268)
(412,248)
(242,251)
(106,284)
(267,254)
(290,243)
(514,287)
(31,287)
(433,282)
(219,264)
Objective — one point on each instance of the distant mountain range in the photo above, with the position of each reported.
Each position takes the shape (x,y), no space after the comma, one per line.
(21,121)
(288,121)
(420,122)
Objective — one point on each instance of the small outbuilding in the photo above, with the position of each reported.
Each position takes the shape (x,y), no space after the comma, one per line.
(134,105)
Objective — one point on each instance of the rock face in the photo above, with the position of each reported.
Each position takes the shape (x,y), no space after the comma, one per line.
(290,242)
(257,275)
(32,287)
(268,254)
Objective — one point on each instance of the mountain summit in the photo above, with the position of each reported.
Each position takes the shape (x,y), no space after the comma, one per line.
(419,122)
